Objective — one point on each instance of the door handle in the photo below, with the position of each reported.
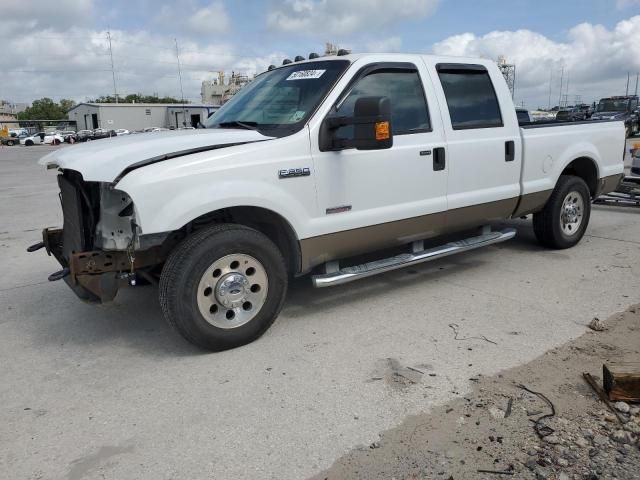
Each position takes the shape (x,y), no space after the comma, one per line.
(439,161)
(509,151)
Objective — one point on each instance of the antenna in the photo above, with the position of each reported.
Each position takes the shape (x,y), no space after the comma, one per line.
(561,80)
(550,84)
(627,91)
(113,73)
(184,113)
(637,75)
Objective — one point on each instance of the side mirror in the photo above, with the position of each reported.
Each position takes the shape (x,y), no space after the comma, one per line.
(371,123)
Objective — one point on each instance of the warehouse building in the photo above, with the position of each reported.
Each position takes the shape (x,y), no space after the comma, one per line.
(138,116)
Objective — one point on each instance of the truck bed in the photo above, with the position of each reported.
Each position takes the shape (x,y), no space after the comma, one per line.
(549,146)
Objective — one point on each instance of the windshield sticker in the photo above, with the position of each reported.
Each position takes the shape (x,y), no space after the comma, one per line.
(297,115)
(305,74)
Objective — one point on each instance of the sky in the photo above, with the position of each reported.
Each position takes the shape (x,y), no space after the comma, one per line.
(61,50)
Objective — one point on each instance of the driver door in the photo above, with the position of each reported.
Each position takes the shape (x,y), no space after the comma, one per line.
(377,198)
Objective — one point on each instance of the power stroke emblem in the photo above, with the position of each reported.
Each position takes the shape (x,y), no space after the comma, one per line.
(294,172)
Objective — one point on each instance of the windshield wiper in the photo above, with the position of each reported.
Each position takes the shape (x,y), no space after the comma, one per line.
(236,123)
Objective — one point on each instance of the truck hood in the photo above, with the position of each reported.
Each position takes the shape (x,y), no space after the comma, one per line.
(107,160)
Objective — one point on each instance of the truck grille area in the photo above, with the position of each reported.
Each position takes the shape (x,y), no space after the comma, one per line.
(80,210)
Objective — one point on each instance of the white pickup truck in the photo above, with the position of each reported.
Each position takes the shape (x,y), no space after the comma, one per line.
(307,169)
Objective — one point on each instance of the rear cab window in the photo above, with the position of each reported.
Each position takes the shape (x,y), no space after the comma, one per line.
(470,95)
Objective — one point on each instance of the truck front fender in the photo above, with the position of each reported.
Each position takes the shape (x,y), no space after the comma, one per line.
(160,211)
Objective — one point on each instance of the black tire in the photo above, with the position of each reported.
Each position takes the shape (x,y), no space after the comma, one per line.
(10,143)
(28,143)
(185,267)
(547,223)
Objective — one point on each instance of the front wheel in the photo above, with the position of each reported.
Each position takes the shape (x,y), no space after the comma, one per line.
(223,286)
(564,219)
(10,143)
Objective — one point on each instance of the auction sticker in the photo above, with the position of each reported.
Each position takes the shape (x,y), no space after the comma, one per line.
(305,74)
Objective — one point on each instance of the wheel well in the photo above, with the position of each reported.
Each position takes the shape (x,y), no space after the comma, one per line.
(586,169)
(271,224)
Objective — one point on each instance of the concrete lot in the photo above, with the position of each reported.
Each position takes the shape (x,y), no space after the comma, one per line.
(111,392)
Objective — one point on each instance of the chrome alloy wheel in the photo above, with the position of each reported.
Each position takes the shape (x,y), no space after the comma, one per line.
(232,291)
(572,213)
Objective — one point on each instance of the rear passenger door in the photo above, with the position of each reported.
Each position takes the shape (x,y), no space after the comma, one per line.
(484,143)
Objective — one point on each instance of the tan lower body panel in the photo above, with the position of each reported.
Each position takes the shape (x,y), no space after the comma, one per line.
(609,184)
(332,246)
(532,202)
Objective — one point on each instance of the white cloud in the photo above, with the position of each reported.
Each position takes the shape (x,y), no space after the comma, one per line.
(595,59)
(75,64)
(340,17)
(622,4)
(210,19)
(187,17)
(19,16)
(390,44)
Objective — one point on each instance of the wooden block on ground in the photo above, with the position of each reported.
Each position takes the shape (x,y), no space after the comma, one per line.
(622,381)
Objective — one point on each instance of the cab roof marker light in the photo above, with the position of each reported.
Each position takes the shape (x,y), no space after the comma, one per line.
(299,58)
(313,55)
(286,61)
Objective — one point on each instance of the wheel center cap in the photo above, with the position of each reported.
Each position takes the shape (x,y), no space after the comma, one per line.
(231,290)
(571,214)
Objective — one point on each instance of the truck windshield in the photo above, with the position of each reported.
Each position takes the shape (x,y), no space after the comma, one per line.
(279,102)
(610,105)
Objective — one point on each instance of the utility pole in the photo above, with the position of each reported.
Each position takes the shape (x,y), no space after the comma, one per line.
(184,113)
(627,90)
(113,73)
(561,80)
(550,85)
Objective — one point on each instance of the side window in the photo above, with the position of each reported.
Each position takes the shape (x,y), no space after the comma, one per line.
(409,113)
(471,98)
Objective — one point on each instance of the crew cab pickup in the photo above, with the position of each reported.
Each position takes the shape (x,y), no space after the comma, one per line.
(337,166)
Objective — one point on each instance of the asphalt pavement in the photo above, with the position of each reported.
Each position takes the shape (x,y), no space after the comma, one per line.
(111,392)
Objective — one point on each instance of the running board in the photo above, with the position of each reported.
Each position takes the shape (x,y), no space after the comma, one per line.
(350,274)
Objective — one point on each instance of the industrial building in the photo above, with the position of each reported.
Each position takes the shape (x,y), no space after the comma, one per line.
(217,92)
(138,116)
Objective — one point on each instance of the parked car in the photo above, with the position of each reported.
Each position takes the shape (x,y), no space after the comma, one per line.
(635,160)
(372,151)
(523,116)
(587,109)
(69,136)
(10,140)
(122,131)
(53,138)
(100,133)
(84,135)
(625,108)
(573,114)
(35,139)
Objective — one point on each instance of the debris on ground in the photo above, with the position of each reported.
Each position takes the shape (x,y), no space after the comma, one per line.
(622,381)
(596,325)
(558,427)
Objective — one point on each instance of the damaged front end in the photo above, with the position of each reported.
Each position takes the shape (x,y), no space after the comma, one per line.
(98,246)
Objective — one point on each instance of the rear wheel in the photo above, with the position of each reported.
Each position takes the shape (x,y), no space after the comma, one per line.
(564,219)
(10,143)
(223,286)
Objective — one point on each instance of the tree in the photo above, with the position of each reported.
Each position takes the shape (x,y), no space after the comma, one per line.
(47,109)
(137,98)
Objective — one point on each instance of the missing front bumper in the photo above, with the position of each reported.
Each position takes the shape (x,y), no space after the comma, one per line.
(95,276)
